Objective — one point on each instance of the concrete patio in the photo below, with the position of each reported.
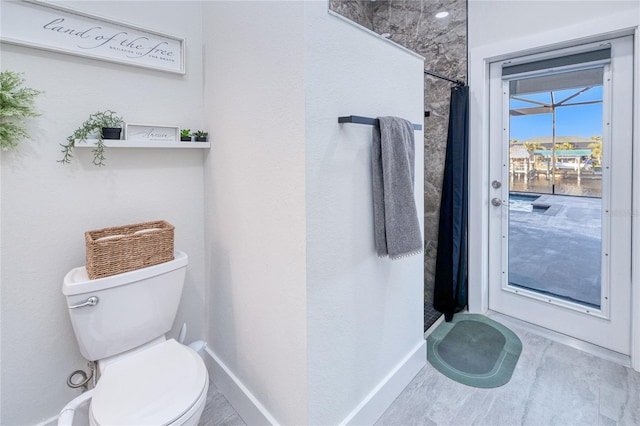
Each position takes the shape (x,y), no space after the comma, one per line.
(556,248)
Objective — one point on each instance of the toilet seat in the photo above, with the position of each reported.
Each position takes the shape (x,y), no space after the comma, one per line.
(156,386)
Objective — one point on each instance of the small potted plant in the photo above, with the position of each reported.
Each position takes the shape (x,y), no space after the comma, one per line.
(185,135)
(16,104)
(101,125)
(201,136)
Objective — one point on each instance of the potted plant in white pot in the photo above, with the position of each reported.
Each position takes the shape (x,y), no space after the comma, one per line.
(16,105)
(101,125)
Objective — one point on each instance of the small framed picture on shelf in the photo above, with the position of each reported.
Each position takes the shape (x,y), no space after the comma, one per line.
(152,133)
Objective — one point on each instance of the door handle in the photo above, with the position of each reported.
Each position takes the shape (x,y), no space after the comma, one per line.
(496,202)
(92,301)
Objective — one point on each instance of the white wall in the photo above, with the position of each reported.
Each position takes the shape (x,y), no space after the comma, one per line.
(47,206)
(305,321)
(255,206)
(364,314)
(496,21)
(496,31)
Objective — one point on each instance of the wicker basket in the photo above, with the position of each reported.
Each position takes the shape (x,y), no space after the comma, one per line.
(121,249)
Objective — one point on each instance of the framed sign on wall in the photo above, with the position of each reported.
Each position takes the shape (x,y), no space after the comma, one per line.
(151,133)
(42,25)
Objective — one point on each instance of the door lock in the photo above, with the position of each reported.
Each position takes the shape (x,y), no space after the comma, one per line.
(496,184)
(496,202)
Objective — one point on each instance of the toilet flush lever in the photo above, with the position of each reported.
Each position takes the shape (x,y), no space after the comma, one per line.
(92,301)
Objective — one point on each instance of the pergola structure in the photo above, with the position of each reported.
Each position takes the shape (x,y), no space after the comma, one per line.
(520,162)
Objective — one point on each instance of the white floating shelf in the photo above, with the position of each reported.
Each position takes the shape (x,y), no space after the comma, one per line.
(123,143)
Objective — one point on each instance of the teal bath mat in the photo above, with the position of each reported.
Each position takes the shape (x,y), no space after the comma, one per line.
(474,350)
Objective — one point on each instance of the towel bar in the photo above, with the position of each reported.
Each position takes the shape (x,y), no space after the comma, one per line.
(367,120)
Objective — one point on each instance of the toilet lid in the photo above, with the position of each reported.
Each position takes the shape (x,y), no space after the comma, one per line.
(153,387)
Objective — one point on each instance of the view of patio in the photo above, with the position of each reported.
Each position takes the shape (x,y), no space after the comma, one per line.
(555,246)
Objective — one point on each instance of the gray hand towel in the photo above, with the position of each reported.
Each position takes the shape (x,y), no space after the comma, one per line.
(395,219)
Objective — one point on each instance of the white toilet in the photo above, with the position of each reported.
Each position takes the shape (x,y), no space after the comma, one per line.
(120,322)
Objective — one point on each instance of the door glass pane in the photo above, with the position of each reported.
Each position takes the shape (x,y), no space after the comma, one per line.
(555,185)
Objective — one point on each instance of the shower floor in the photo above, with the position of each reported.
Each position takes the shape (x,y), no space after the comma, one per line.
(430,315)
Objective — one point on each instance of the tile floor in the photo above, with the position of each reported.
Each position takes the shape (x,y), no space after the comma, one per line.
(553,384)
(218,411)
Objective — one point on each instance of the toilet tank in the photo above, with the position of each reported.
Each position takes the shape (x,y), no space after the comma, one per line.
(132,308)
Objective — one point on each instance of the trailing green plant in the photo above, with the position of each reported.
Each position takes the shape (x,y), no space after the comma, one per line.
(185,133)
(92,127)
(16,105)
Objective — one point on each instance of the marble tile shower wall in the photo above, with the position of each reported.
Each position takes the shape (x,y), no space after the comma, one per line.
(443,43)
(359,11)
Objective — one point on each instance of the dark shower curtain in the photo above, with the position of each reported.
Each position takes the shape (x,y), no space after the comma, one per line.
(450,292)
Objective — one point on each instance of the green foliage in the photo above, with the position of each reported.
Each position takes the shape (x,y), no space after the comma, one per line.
(91,127)
(16,105)
(564,146)
(185,133)
(201,134)
(532,146)
(596,150)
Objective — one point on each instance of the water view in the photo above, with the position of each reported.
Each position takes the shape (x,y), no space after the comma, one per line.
(585,186)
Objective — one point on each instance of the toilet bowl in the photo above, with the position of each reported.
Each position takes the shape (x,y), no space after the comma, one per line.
(163,385)
(120,321)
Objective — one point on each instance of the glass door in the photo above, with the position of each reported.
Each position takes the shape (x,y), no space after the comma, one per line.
(555,181)
(560,208)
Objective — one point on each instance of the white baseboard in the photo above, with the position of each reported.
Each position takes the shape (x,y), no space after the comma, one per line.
(367,412)
(383,395)
(242,400)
